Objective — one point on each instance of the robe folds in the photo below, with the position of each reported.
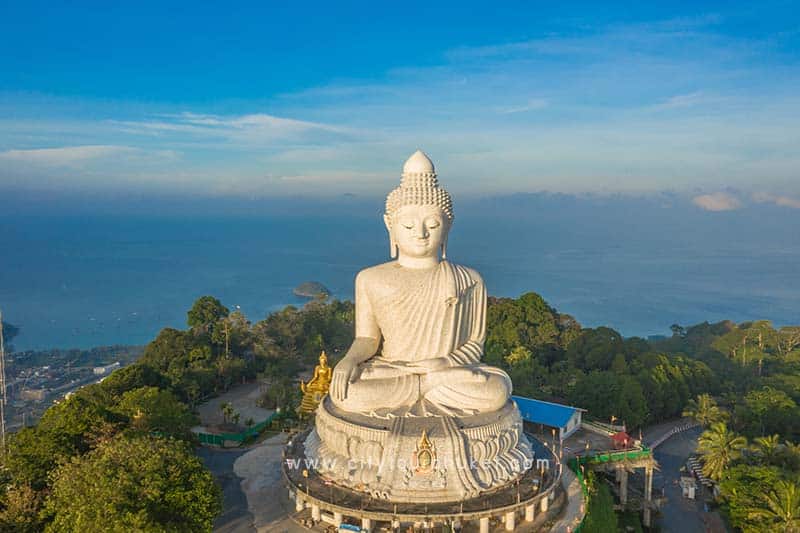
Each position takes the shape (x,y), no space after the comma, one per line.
(443,316)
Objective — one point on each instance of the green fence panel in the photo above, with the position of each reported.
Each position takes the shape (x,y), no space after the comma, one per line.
(218,439)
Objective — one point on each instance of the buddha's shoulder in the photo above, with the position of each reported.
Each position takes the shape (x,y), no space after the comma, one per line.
(470,273)
(374,273)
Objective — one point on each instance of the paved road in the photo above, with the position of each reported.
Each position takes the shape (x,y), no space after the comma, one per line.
(679,514)
(235,517)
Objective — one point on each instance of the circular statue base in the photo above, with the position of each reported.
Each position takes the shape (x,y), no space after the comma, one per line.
(419,458)
(531,498)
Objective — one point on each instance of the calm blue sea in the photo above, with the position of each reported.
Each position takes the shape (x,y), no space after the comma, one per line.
(635,265)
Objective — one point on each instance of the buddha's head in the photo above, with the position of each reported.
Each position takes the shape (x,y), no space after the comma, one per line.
(419,213)
(323,359)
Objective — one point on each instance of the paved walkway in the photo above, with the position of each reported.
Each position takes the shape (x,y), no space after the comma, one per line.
(655,434)
(575,509)
(255,498)
(262,483)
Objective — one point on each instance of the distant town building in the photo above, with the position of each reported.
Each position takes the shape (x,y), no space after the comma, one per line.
(35,395)
(103,370)
(565,418)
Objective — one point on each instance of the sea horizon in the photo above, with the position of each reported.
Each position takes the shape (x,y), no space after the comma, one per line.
(636,264)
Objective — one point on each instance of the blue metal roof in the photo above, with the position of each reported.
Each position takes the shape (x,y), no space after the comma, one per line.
(549,414)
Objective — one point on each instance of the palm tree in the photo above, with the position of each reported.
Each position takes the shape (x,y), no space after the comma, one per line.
(705,411)
(780,507)
(791,455)
(719,447)
(768,448)
(227,411)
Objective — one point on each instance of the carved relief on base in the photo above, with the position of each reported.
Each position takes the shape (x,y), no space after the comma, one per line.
(420,459)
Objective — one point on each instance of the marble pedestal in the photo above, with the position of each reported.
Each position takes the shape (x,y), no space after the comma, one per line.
(419,458)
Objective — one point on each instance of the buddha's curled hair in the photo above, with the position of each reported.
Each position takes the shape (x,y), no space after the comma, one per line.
(419,188)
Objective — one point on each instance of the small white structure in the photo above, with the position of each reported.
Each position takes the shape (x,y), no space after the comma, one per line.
(688,487)
(103,370)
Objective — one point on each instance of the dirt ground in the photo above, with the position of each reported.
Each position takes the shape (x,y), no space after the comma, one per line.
(243,398)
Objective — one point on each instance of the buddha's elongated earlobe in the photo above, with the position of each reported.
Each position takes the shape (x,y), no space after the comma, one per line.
(392,246)
(444,247)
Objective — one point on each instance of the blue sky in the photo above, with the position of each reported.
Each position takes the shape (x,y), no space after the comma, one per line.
(274,99)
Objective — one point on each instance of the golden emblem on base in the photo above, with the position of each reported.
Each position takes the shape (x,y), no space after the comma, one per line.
(316,389)
(424,457)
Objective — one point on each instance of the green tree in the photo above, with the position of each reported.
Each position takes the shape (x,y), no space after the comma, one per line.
(788,340)
(79,422)
(600,515)
(719,448)
(619,365)
(607,394)
(519,355)
(150,409)
(168,352)
(282,393)
(227,411)
(767,411)
(596,349)
(791,455)
(32,454)
(21,508)
(741,487)
(132,377)
(232,333)
(768,449)
(678,330)
(134,484)
(205,312)
(704,410)
(780,507)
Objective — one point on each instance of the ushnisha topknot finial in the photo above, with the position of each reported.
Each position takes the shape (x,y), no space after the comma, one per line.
(419,186)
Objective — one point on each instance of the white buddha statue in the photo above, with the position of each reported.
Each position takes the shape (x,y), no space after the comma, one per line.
(420,319)
(412,415)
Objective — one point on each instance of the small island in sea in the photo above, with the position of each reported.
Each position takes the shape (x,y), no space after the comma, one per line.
(311,289)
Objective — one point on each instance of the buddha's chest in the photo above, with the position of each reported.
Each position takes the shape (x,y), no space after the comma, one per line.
(398,285)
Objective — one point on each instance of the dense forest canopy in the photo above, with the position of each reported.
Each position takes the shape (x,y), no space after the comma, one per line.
(751,369)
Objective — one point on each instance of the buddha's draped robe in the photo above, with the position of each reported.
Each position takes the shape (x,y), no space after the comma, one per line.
(443,316)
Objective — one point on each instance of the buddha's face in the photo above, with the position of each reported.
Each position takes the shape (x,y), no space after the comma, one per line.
(419,230)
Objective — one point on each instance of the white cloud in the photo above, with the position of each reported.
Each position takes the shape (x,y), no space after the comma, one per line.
(680,101)
(253,127)
(320,182)
(717,201)
(783,201)
(531,105)
(64,156)
(621,116)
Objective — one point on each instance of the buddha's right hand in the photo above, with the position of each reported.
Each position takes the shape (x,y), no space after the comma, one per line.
(346,372)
